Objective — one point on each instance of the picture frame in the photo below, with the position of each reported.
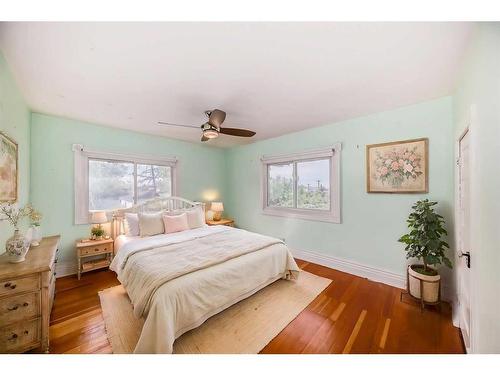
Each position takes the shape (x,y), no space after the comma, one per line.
(400,167)
(9,169)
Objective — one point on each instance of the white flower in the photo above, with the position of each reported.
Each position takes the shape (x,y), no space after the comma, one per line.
(408,168)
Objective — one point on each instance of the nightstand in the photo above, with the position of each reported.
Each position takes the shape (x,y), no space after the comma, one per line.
(93,255)
(226,222)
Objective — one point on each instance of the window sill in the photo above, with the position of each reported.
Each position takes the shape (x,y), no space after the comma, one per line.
(327,216)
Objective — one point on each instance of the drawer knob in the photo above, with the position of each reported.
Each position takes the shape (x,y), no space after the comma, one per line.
(13,286)
(26,332)
(25,304)
(96,249)
(6,285)
(13,308)
(13,337)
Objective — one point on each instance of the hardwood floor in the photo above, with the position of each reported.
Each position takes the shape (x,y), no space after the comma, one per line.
(353,315)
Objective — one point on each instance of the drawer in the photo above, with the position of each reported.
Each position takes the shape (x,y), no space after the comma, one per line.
(15,286)
(98,249)
(19,307)
(16,337)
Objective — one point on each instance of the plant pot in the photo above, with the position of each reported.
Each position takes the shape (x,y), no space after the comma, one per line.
(17,246)
(430,285)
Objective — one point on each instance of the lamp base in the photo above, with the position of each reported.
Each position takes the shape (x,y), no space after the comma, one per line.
(217,215)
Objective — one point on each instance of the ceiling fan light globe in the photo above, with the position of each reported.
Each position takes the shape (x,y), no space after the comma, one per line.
(210,133)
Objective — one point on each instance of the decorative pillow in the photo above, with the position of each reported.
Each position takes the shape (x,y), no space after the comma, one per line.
(173,212)
(176,223)
(131,224)
(151,224)
(195,217)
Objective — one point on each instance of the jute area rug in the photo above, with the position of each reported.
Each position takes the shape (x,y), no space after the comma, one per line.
(246,327)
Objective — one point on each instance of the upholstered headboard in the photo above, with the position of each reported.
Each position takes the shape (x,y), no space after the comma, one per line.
(154,205)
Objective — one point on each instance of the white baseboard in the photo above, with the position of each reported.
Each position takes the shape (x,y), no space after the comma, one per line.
(66,269)
(354,268)
(362,270)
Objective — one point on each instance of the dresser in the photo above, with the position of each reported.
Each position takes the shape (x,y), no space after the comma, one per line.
(26,297)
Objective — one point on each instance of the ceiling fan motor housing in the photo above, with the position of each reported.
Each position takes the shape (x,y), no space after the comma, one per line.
(210,131)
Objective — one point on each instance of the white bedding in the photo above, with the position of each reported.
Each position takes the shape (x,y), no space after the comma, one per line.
(185,302)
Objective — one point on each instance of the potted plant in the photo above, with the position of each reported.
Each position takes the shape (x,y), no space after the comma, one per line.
(18,245)
(97,233)
(425,243)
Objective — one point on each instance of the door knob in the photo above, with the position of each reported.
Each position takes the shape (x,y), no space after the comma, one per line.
(467,255)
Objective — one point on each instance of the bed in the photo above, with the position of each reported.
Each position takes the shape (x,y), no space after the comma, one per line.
(177,281)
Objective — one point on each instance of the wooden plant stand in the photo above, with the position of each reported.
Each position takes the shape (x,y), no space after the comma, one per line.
(421,299)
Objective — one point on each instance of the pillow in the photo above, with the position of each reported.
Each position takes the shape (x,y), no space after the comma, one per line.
(196,218)
(151,224)
(131,224)
(176,223)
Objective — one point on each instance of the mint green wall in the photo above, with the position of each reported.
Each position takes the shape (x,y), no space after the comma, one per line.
(200,168)
(371,223)
(15,122)
(478,97)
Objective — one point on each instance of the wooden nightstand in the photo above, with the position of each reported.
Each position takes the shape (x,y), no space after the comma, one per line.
(227,222)
(93,255)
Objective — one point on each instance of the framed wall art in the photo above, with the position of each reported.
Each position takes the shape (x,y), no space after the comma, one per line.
(398,167)
(8,169)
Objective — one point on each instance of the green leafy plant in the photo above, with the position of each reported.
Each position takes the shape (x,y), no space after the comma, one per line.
(424,241)
(97,231)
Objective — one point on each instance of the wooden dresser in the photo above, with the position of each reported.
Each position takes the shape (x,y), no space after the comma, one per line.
(26,297)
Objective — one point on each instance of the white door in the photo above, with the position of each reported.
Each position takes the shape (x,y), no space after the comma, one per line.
(464,263)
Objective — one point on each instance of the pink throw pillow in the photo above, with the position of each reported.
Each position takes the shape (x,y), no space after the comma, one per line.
(176,223)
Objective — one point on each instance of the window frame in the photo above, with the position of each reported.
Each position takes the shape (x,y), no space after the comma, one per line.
(81,174)
(333,215)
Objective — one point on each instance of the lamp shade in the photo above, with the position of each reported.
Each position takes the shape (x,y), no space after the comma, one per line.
(98,217)
(217,207)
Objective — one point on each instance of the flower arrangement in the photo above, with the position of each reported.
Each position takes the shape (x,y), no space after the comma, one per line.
(13,214)
(396,166)
(36,217)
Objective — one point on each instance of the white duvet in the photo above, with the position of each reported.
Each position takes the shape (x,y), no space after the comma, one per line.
(177,281)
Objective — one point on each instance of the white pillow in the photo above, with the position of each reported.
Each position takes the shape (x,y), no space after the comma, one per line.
(196,218)
(131,224)
(177,223)
(151,224)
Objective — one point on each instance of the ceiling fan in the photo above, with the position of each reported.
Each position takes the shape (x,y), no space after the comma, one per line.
(212,128)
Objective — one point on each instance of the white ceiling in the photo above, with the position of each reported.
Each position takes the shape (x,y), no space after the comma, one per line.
(273,78)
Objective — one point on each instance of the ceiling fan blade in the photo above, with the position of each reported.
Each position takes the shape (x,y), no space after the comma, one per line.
(181,125)
(216,117)
(237,132)
(204,139)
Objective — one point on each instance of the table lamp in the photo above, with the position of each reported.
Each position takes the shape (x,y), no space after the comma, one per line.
(217,208)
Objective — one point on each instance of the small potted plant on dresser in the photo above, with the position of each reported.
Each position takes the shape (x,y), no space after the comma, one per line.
(424,242)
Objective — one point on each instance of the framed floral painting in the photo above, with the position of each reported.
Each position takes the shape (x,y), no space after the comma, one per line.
(8,169)
(398,167)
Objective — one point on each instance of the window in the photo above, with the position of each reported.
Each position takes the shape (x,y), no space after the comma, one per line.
(111,184)
(105,181)
(303,185)
(153,181)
